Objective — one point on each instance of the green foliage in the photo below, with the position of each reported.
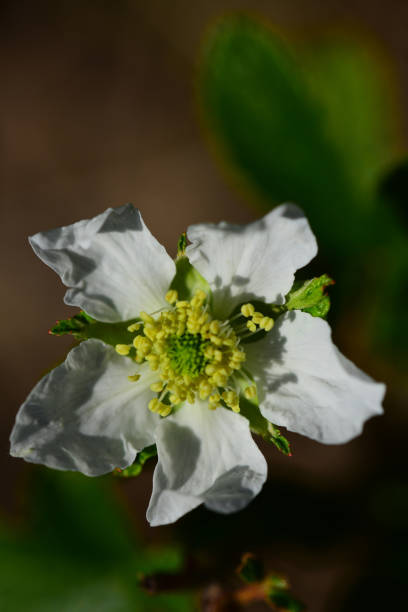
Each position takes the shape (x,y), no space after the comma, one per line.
(136,468)
(77,552)
(309,296)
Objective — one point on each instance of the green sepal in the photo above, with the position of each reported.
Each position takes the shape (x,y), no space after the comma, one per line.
(83,327)
(136,467)
(281,443)
(309,296)
(181,245)
(75,325)
(187,279)
(262,427)
(250,569)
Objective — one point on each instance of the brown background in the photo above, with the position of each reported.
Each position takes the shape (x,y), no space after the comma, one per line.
(98,110)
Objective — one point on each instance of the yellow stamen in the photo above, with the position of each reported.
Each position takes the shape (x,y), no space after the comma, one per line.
(172,296)
(247,310)
(157,386)
(257,317)
(134,377)
(123,349)
(134,327)
(250,392)
(251,326)
(194,355)
(267,323)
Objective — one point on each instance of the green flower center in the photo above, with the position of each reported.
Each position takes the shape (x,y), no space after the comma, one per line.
(196,357)
(186,354)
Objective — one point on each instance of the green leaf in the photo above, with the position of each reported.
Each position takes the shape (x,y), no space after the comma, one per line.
(250,569)
(259,425)
(136,468)
(83,327)
(187,279)
(272,130)
(347,77)
(309,296)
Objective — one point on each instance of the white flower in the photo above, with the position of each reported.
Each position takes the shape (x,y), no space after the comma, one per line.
(91,413)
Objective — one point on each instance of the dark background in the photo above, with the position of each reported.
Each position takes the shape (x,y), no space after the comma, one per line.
(98,109)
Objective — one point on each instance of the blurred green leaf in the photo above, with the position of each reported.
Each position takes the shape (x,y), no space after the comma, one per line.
(260,108)
(77,552)
(347,77)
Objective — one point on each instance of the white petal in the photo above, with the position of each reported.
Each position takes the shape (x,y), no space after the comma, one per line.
(113,265)
(255,261)
(306,384)
(85,415)
(206,457)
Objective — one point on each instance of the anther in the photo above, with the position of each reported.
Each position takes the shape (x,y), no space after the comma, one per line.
(134,378)
(267,323)
(257,317)
(134,327)
(247,310)
(172,296)
(250,392)
(157,386)
(251,326)
(123,349)
(146,318)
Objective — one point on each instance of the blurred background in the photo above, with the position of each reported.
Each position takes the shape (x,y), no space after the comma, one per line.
(201,112)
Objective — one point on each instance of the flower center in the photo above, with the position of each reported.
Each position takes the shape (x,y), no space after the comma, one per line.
(194,355)
(187,354)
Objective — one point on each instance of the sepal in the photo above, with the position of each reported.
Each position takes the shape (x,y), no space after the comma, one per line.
(261,426)
(187,279)
(309,296)
(136,467)
(271,587)
(84,327)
